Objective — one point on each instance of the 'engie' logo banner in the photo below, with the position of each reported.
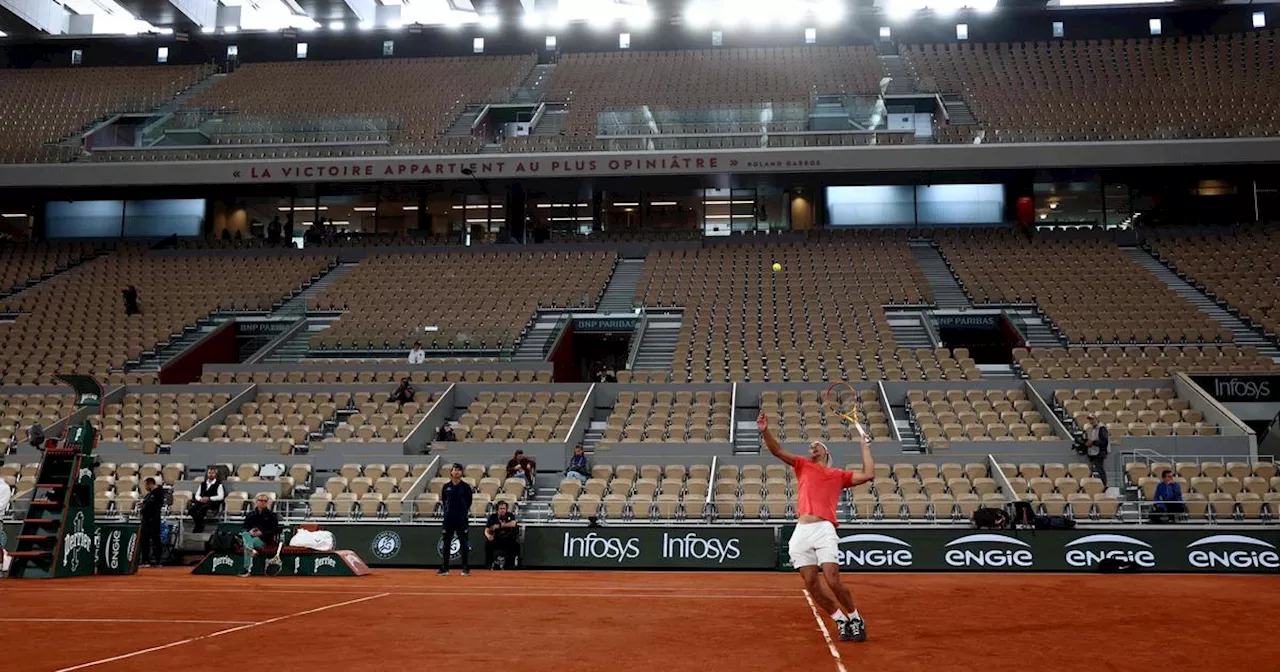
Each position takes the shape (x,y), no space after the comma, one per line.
(650,547)
(890,550)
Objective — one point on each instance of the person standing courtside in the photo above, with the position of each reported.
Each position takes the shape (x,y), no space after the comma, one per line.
(455,497)
(152,507)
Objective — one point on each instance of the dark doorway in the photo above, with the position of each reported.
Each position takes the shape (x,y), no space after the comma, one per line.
(601,354)
(989,337)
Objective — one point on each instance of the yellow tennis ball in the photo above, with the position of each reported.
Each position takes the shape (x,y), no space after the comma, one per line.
(777,267)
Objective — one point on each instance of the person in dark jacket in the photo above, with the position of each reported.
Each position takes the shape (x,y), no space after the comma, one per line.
(403,393)
(1098,439)
(455,500)
(261,528)
(520,466)
(502,535)
(152,507)
(1168,500)
(131,301)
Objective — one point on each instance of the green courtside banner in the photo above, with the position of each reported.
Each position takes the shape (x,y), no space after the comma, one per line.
(75,551)
(117,547)
(550,547)
(1213,550)
(639,547)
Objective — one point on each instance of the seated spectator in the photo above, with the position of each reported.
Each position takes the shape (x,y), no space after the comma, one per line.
(417,355)
(208,498)
(578,467)
(502,534)
(261,529)
(1168,500)
(404,393)
(445,433)
(35,435)
(520,466)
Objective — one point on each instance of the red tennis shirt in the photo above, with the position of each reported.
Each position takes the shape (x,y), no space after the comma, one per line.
(819,489)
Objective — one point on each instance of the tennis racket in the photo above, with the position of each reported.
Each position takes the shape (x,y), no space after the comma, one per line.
(274,563)
(841,399)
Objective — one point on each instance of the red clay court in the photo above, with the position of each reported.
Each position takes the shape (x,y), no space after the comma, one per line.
(587,621)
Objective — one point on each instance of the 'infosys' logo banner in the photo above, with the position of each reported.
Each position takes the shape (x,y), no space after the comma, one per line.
(1240,388)
(650,547)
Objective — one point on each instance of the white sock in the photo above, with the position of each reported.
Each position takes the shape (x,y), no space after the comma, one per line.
(855,615)
(838,616)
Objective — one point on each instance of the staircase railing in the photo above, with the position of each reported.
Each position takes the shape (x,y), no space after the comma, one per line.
(554,337)
(637,336)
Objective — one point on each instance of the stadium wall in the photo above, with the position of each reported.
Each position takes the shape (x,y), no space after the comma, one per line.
(864,549)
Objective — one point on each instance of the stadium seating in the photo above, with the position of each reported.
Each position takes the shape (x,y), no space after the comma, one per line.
(516,417)
(948,492)
(43,105)
(76,322)
(696,80)
(669,417)
(1121,89)
(1237,266)
(801,417)
(23,264)
(472,300)
(1213,489)
(147,421)
(422,96)
(20,411)
(1148,361)
(389,377)
(943,417)
(1084,283)
(1141,411)
(820,318)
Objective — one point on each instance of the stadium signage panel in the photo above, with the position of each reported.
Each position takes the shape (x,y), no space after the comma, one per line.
(393,545)
(650,547)
(1240,388)
(968,321)
(610,324)
(1256,550)
(117,547)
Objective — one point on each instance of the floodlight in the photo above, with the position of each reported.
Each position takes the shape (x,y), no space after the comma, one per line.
(208,29)
(600,20)
(531,20)
(366,25)
(641,17)
(166,31)
(230,30)
(337,25)
(697,15)
(490,21)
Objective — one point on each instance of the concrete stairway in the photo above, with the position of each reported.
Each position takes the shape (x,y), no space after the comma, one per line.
(658,344)
(530,90)
(621,289)
(461,126)
(537,338)
(947,293)
(1243,334)
(298,346)
(958,110)
(297,304)
(908,329)
(552,121)
(1035,328)
(903,83)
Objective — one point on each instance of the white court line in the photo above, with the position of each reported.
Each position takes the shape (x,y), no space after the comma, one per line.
(220,633)
(492,591)
(118,620)
(823,627)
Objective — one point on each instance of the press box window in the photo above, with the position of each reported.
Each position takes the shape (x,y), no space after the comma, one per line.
(162,55)
(302,50)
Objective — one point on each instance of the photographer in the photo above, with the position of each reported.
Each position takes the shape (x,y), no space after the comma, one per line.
(502,535)
(1097,439)
(261,529)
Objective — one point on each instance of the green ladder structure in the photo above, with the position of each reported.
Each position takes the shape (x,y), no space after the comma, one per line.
(57,537)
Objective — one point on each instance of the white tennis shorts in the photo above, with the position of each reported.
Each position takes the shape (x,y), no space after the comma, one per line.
(814,544)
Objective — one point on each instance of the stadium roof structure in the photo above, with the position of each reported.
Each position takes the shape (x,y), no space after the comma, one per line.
(85,18)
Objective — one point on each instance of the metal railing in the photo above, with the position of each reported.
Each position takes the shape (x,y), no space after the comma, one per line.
(638,336)
(554,337)
(232,127)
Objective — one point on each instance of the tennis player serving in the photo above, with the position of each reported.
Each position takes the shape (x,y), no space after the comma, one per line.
(814,544)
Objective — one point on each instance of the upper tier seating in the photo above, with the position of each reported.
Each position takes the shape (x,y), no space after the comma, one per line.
(1239,267)
(1085,283)
(519,417)
(20,411)
(802,417)
(423,95)
(146,421)
(949,416)
(669,417)
(696,80)
(1131,361)
(1124,89)
(1214,490)
(76,321)
(41,105)
(1134,411)
(474,299)
(821,318)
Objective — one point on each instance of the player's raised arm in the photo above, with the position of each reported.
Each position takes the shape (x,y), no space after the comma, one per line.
(868,471)
(771,441)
